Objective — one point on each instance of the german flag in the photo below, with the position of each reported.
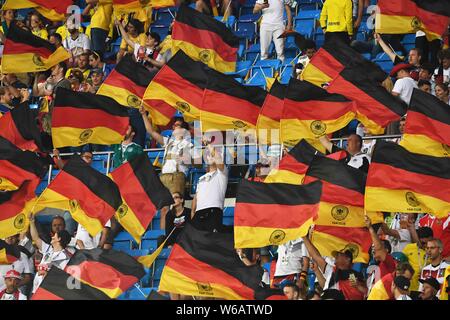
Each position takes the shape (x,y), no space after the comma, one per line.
(268,124)
(25,52)
(127,84)
(19,127)
(17,166)
(205,39)
(110,271)
(80,118)
(328,239)
(142,193)
(130,5)
(162,3)
(427,129)
(310,112)
(59,285)
(243,104)
(91,197)
(178,85)
(14,212)
(274,213)
(293,166)
(8,253)
(381,290)
(375,108)
(51,9)
(412,182)
(409,16)
(204,263)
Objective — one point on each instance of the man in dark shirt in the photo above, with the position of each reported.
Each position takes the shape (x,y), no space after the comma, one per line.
(176,219)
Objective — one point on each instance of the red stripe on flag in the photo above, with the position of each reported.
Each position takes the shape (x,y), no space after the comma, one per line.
(315,109)
(116,79)
(12,47)
(418,123)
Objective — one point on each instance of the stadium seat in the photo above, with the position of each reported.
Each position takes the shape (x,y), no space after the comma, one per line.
(286,74)
(149,244)
(247,34)
(230,23)
(409,38)
(156,223)
(137,252)
(308,14)
(159,266)
(228,212)
(164,16)
(124,241)
(304,27)
(274,63)
(162,30)
(138,293)
(164,253)
(228,221)
(152,234)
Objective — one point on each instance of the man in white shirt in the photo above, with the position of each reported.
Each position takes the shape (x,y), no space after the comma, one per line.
(292,259)
(77,42)
(272,25)
(444,60)
(437,266)
(404,85)
(85,241)
(208,202)
(11,292)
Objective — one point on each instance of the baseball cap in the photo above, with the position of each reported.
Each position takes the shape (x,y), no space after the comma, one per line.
(402,282)
(347,253)
(399,256)
(13,274)
(432,282)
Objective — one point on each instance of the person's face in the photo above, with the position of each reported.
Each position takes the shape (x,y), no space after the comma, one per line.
(9,15)
(290,293)
(13,240)
(97,79)
(87,157)
(72,30)
(424,242)
(424,74)
(57,225)
(130,133)
(425,88)
(177,199)
(7,97)
(440,93)
(93,62)
(353,145)
(150,42)
(56,70)
(413,57)
(433,250)
(401,126)
(446,63)
(53,41)
(428,292)
(342,262)
(310,52)
(83,62)
(12,284)
(131,29)
(34,21)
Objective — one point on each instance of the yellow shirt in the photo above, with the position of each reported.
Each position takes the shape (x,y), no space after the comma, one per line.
(102,16)
(64,33)
(336,16)
(41,33)
(139,39)
(416,258)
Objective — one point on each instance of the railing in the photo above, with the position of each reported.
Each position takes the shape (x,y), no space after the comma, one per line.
(339,141)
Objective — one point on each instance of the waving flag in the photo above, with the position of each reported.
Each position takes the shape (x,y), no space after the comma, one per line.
(80,118)
(274,213)
(51,9)
(427,128)
(412,182)
(25,52)
(205,39)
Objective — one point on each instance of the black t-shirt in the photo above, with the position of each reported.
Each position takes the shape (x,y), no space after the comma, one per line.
(178,222)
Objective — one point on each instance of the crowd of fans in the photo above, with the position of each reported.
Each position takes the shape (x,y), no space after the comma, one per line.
(410,252)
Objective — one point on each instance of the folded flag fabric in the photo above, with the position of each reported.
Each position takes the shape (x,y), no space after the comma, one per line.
(91,197)
(427,128)
(206,264)
(310,112)
(14,212)
(142,193)
(19,127)
(59,285)
(8,253)
(80,118)
(205,39)
(274,213)
(17,166)
(24,52)
(413,183)
(410,16)
(109,271)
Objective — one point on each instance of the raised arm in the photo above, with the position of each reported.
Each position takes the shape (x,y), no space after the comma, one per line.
(380,251)
(391,54)
(315,254)
(124,34)
(34,233)
(326,143)
(148,126)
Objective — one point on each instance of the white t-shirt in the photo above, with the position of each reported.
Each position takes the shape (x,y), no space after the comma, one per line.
(176,147)
(404,87)
(446,74)
(273,15)
(404,297)
(21,265)
(88,241)
(357,160)
(290,257)
(211,189)
(7,296)
(77,46)
(437,272)
(137,46)
(405,236)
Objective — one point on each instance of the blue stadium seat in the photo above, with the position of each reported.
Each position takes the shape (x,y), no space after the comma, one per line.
(257,79)
(159,266)
(121,245)
(164,253)
(265,72)
(138,294)
(409,38)
(285,76)
(240,80)
(137,252)
(146,280)
(244,33)
(228,221)
(308,14)
(304,27)
(230,23)
(150,245)
(381,57)
(385,65)
(124,241)
(156,223)
(123,296)
(164,16)
(41,186)
(249,18)
(274,63)
(162,30)
(228,212)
